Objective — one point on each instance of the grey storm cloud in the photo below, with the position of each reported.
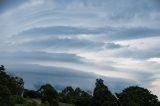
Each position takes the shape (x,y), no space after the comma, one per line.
(60,77)
(129,33)
(61,30)
(9,4)
(39,56)
(111,45)
(135,33)
(106,33)
(72,42)
(54,76)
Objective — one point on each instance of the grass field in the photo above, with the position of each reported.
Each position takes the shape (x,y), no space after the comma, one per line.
(60,104)
(65,104)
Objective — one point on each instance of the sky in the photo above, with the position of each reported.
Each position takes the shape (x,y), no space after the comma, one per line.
(73,42)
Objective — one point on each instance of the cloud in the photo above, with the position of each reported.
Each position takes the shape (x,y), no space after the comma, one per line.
(113,46)
(55,75)
(61,30)
(9,4)
(78,41)
(27,57)
(71,77)
(70,44)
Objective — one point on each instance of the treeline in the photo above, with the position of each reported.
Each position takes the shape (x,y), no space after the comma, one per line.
(12,93)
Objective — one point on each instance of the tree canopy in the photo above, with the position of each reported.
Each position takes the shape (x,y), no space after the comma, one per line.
(9,85)
(11,88)
(137,96)
(75,96)
(102,96)
(49,94)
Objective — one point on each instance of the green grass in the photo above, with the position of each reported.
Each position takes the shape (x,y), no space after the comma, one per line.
(27,101)
(60,104)
(65,104)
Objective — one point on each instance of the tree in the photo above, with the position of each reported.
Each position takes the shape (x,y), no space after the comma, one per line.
(49,94)
(75,96)
(137,96)
(4,95)
(68,95)
(31,94)
(2,68)
(82,98)
(102,96)
(14,84)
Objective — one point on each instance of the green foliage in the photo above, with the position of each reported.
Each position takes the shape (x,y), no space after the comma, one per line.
(4,95)
(137,96)
(14,84)
(11,88)
(9,85)
(15,99)
(49,94)
(82,98)
(31,94)
(21,101)
(65,104)
(102,96)
(67,95)
(77,96)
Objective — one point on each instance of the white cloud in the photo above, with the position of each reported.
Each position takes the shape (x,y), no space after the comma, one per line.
(154,60)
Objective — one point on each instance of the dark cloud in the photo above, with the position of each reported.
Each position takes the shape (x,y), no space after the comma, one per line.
(135,33)
(106,33)
(60,30)
(129,33)
(74,28)
(116,84)
(64,44)
(55,75)
(39,56)
(112,46)
(67,42)
(6,5)
(62,77)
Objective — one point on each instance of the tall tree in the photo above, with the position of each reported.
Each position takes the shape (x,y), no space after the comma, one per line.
(2,68)
(75,96)
(137,96)
(82,98)
(68,95)
(31,94)
(9,86)
(14,84)
(49,94)
(4,95)
(102,96)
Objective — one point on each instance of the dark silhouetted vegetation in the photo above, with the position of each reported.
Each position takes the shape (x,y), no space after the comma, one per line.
(31,94)
(102,96)
(75,96)
(137,96)
(12,93)
(48,94)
